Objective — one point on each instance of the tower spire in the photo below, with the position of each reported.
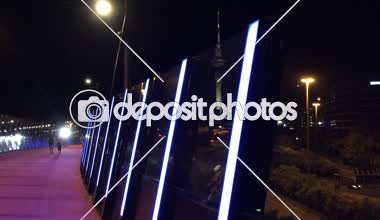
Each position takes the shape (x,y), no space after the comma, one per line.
(218,30)
(218,49)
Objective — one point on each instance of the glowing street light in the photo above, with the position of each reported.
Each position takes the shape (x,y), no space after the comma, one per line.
(307,81)
(64,132)
(316,105)
(103,7)
(88,81)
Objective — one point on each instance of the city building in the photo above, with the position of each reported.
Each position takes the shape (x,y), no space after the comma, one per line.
(352,103)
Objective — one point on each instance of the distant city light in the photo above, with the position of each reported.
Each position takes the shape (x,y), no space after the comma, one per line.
(64,132)
(374,83)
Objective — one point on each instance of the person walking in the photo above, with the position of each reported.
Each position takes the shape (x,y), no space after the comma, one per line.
(51,143)
(59,144)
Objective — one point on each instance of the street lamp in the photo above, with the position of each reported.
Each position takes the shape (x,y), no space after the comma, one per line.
(316,105)
(103,7)
(307,81)
(88,81)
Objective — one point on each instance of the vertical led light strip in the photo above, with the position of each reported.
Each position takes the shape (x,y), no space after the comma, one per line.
(89,148)
(84,149)
(96,145)
(116,142)
(105,142)
(86,144)
(237,122)
(133,151)
(169,142)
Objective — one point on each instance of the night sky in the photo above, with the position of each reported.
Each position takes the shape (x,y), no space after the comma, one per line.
(48,48)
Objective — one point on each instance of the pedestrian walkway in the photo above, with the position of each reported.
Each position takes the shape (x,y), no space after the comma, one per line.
(35,184)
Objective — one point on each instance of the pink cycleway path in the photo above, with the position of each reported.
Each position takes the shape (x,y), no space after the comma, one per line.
(35,184)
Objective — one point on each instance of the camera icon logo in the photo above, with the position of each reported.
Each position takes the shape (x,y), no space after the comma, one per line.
(93,110)
(89,109)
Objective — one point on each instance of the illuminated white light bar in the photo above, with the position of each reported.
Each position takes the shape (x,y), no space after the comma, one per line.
(374,83)
(115,146)
(87,144)
(89,148)
(133,151)
(237,122)
(169,142)
(96,145)
(84,149)
(104,143)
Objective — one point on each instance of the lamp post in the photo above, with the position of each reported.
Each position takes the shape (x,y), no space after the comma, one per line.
(104,9)
(307,81)
(316,105)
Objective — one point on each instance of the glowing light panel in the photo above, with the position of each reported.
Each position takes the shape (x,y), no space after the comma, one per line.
(96,144)
(89,148)
(115,146)
(169,142)
(85,144)
(237,122)
(133,152)
(374,83)
(105,143)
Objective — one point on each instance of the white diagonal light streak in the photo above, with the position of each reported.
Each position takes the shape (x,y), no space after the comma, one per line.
(258,40)
(133,153)
(260,180)
(122,178)
(121,39)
